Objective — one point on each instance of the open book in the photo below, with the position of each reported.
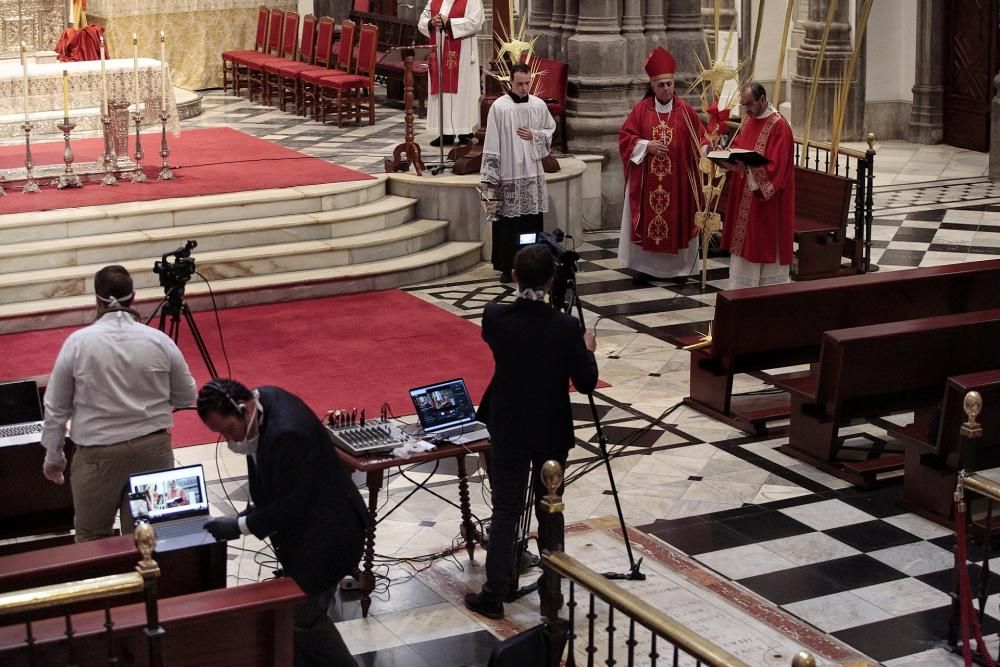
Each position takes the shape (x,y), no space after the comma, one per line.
(748,157)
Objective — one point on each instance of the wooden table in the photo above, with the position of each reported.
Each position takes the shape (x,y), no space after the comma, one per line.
(375,469)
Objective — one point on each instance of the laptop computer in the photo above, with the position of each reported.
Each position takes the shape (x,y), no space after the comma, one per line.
(175,502)
(445,410)
(20,413)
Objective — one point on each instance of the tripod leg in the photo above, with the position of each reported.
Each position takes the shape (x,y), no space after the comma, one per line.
(199,341)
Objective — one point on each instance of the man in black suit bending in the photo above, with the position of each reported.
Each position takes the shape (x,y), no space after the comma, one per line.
(537,350)
(303,500)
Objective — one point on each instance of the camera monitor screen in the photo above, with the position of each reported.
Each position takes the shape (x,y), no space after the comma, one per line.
(443,405)
(168,494)
(527,239)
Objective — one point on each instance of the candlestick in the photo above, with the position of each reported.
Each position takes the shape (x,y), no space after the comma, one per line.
(68,179)
(165,172)
(135,69)
(104,82)
(29,184)
(24,71)
(109,159)
(138,176)
(66,96)
(163,70)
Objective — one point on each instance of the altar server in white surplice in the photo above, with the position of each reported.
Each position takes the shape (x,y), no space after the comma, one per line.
(518,135)
(461,21)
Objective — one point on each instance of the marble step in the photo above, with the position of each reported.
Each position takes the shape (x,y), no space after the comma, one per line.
(437,262)
(405,239)
(384,213)
(182,211)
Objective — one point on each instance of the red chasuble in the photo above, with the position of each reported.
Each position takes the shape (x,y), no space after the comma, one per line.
(759,225)
(452,50)
(661,201)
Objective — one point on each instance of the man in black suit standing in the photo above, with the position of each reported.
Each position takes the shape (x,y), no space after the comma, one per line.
(537,350)
(303,500)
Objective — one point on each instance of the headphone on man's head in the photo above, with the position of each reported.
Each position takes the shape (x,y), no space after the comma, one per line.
(217,386)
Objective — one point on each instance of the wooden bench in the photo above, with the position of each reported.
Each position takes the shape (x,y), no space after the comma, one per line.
(876,370)
(776,326)
(822,202)
(247,625)
(933,454)
(392,32)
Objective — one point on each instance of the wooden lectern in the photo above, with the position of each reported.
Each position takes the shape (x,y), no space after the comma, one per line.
(407,55)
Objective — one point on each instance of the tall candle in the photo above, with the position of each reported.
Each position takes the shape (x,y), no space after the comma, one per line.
(24,70)
(66,96)
(163,72)
(104,82)
(135,69)
(70,20)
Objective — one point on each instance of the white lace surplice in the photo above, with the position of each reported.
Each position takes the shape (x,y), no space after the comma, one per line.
(513,165)
(461,109)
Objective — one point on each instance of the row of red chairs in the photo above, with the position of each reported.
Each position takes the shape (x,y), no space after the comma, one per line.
(313,76)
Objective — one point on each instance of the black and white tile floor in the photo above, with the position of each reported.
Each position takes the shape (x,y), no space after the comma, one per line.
(851,563)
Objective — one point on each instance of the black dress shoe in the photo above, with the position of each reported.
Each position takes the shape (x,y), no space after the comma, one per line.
(679,280)
(484,603)
(506,277)
(449,140)
(465,138)
(641,278)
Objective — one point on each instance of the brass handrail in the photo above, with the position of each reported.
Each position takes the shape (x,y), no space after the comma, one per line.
(42,597)
(642,612)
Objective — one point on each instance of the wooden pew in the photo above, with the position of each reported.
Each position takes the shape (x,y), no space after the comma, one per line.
(394,31)
(822,202)
(247,625)
(933,457)
(782,325)
(875,370)
(183,571)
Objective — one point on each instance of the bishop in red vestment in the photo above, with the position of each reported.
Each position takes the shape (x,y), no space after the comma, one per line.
(760,214)
(660,146)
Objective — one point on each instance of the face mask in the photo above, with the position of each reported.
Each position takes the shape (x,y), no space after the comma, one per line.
(248,445)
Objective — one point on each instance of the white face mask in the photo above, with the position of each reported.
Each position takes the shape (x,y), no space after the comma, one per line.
(248,445)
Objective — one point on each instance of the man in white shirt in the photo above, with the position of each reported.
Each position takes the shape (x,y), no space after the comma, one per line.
(118,380)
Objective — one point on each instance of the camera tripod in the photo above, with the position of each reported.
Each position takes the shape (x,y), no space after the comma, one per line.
(173,306)
(564,297)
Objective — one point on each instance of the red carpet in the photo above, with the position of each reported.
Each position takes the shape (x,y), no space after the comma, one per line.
(347,351)
(209,161)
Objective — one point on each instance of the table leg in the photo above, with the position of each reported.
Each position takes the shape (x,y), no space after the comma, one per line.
(468,529)
(367,576)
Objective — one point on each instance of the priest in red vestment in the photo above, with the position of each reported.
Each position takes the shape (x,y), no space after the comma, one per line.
(760,214)
(660,147)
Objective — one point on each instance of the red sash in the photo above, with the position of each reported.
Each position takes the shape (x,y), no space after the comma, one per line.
(452,50)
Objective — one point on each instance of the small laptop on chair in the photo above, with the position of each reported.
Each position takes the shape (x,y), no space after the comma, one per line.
(20,413)
(175,502)
(445,410)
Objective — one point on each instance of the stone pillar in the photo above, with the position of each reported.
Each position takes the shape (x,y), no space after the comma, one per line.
(685,42)
(927,110)
(995,131)
(655,24)
(598,103)
(727,22)
(632,32)
(838,52)
(540,26)
(558,27)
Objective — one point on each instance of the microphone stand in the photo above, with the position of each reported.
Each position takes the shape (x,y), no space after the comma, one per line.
(441,165)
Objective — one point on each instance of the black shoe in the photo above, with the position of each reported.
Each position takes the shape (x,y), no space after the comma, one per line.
(449,140)
(505,277)
(464,138)
(679,280)
(641,279)
(484,603)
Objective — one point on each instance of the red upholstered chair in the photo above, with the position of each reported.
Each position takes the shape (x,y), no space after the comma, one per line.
(551,87)
(280,76)
(242,61)
(259,45)
(310,87)
(321,64)
(286,52)
(357,91)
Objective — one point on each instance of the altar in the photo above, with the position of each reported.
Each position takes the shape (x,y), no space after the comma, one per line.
(198,31)
(45,93)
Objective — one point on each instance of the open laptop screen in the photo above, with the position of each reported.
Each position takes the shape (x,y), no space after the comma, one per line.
(169,494)
(443,405)
(19,403)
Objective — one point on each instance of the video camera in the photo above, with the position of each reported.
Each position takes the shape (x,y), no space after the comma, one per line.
(565,262)
(174,275)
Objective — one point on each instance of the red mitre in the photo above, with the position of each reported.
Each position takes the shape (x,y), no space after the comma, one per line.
(660,63)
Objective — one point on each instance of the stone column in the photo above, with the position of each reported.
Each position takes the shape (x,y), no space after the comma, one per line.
(727,22)
(838,52)
(684,41)
(598,103)
(558,27)
(632,32)
(539,25)
(655,24)
(927,110)
(995,131)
